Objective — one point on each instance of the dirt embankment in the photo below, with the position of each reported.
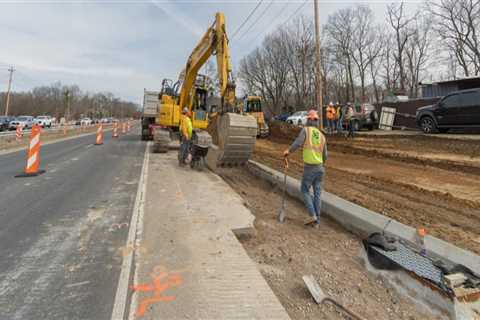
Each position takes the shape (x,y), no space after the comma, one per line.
(285,252)
(419,181)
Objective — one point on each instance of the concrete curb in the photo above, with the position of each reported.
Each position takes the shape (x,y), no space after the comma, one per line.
(362,221)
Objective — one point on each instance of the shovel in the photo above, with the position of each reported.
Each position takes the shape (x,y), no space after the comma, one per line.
(281,212)
(320,297)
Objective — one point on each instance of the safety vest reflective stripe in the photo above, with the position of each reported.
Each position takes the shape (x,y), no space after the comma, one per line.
(313,146)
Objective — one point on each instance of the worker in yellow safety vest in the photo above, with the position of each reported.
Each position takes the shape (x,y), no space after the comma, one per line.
(186,130)
(314,157)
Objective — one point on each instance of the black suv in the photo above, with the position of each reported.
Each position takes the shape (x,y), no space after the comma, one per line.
(459,109)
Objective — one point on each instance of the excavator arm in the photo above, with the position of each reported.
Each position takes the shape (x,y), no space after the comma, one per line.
(213,42)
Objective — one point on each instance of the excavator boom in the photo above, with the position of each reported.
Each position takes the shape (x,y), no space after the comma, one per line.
(233,133)
(214,41)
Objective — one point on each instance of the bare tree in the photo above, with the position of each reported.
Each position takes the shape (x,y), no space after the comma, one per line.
(402,32)
(265,71)
(457,23)
(417,51)
(376,55)
(299,50)
(363,38)
(340,29)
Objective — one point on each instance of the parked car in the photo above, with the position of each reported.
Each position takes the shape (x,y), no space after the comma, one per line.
(365,116)
(460,109)
(86,121)
(5,122)
(25,121)
(44,121)
(298,118)
(282,117)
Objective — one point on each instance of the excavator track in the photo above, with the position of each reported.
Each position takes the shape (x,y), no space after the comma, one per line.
(161,140)
(234,138)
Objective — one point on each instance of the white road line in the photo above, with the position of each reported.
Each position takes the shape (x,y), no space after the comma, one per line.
(136,227)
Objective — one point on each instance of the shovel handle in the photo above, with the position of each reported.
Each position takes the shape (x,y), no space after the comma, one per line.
(285,159)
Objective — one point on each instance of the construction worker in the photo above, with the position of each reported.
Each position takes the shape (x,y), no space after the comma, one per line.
(314,157)
(186,130)
(349,114)
(339,115)
(331,117)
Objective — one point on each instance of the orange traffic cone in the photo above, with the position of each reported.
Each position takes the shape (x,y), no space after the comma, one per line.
(19,132)
(115,130)
(64,129)
(33,155)
(124,128)
(99,138)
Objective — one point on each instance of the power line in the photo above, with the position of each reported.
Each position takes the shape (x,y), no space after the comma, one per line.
(248,17)
(296,11)
(258,18)
(277,16)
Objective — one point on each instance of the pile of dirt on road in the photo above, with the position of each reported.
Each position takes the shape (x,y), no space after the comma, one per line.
(280,130)
(422,187)
(285,252)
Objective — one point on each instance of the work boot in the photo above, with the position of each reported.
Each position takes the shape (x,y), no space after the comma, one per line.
(311,223)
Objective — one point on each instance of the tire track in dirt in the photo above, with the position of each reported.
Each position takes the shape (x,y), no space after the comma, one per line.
(444,215)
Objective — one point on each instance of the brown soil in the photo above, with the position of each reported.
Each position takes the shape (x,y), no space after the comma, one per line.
(285,252)
(419,181)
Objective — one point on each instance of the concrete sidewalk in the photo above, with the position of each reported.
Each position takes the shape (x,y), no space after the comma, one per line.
(190,264)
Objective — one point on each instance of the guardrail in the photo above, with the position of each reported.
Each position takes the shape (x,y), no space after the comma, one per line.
(27,132)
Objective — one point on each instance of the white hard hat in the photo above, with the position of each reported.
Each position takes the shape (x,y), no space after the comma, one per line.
(185,110)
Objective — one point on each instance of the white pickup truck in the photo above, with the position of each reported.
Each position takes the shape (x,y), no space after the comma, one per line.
(44,121)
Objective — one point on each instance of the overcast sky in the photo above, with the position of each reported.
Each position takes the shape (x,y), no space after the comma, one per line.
(125,46)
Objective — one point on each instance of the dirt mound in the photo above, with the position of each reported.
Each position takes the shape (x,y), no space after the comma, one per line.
(280,130)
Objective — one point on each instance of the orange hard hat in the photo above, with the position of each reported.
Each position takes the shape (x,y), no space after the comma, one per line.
(312,115)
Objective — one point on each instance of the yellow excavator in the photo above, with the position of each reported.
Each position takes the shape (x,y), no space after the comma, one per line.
(232,133)
(252,105)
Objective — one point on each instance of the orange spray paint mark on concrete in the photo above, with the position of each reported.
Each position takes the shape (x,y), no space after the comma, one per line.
(161,282)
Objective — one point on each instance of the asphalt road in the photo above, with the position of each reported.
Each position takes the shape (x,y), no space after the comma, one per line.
(60,238)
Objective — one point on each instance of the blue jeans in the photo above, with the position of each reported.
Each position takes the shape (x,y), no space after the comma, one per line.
(184,150)
(340,124)
(313,179)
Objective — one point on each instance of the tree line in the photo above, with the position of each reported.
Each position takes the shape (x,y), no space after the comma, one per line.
(59,101)
(363,60)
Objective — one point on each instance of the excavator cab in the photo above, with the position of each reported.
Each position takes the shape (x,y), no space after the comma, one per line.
(252,105)
(199,103)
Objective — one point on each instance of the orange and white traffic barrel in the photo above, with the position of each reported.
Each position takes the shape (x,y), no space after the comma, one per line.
(99,136)
(19,132)
(33,154)
(128,126)
(115,130)
(124,128)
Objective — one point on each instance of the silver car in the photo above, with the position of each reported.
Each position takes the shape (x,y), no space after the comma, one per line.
(26,122)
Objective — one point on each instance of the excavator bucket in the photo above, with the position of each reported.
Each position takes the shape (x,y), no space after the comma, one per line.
(234,136)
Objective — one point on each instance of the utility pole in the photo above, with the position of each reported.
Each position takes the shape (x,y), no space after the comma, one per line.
(67,105)
(11,70)
(318,67)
